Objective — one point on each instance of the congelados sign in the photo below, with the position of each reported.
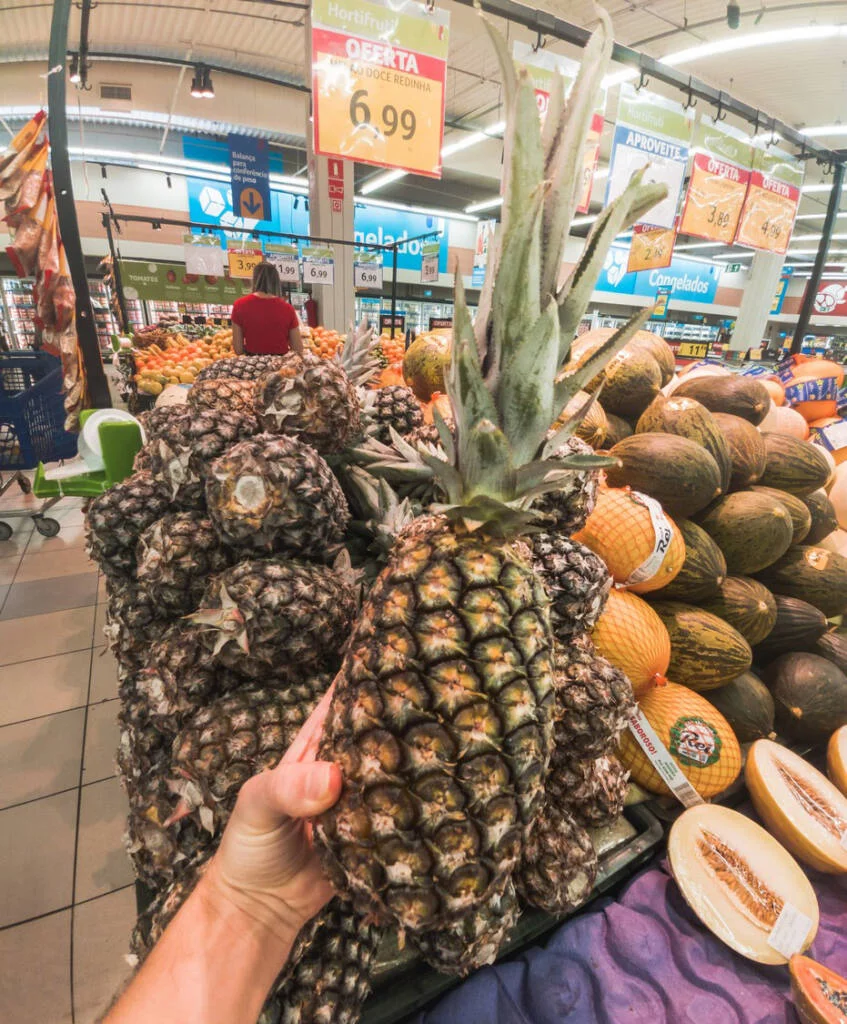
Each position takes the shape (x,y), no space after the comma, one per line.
(689,280)
(684,284)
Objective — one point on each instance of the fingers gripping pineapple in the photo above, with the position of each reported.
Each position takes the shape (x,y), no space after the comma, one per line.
(442,714)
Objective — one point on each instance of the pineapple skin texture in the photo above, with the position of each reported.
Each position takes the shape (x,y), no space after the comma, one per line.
(441,723)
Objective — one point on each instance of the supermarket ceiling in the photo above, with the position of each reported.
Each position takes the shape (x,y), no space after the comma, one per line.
(791,62)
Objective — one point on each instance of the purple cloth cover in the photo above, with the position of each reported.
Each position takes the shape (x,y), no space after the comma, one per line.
(644,959)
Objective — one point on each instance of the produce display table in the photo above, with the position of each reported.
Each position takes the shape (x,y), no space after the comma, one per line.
(643,958)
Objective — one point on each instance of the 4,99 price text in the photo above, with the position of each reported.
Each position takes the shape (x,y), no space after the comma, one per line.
(391,120)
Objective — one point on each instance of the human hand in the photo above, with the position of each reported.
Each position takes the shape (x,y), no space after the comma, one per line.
(266,865)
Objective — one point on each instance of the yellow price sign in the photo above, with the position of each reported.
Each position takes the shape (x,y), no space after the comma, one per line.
(651,248)
(715,197)
(242,261)
(767,219)
(378,79)
(693,349)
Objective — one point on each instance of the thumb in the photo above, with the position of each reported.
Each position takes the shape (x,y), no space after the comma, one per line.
(298,790)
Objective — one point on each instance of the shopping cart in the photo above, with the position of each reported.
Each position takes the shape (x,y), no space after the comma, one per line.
(32,416)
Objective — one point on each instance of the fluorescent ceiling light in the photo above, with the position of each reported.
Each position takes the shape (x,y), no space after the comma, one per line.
(817,216)
(824,129)
(579,222)
(822,187)
(751,40)
(813,252)
(698,245)
(484,204)
(427,210)
(381,180)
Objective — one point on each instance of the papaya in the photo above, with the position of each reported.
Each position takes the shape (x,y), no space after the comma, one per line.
(680,474)
(798,627)
(823,518)
(740,396)
(746,449)
(810,696)
(812,574)
(424,364)
(703,569)
(820,995)
(706,652)
(801,517)
(746,703)
(796,466)
(617,430)
(751,530)
(686,417)
(632,381)
(746,605)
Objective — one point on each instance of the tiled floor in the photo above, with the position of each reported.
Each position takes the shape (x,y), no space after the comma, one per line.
(67,903)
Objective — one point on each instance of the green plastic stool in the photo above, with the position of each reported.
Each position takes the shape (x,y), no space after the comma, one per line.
(120,442)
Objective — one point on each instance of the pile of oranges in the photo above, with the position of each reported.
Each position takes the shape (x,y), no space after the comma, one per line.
(392,348)
(179,361)
(322,341)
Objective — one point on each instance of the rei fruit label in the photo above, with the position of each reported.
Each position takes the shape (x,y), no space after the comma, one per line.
(720,174)
(662,536)
(661,759)
(788,935)
(773,195)
(378,82)
(694,742)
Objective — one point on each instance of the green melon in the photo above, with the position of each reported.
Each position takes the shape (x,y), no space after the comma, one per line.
(812,574)
(680,474)
(633,379)
(796,466)
(739,396)
(824,520)
(703,570)
(687,418)
(425,363)
(751,530)
(746,605)
(801,517)
(798,627)
(810,696)
(746,703)
(659,349)
(706,652)
(618,429)
(833,647)
(746,449)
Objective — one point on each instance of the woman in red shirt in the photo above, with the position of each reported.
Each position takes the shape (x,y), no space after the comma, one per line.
(263,323)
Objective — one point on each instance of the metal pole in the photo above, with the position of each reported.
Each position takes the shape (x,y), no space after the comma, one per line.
(820,260)
(86,328)
(116,274)
(393,287)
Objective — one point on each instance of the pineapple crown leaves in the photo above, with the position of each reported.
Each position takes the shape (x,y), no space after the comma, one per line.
(506,380)
(357,356)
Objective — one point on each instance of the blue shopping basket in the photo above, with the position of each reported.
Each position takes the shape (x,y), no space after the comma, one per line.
(32,412)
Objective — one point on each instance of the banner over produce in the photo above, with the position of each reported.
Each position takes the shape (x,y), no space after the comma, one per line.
(543,66)
(172,282)
(651,132)
(720,175)
(773,197)
(378,81)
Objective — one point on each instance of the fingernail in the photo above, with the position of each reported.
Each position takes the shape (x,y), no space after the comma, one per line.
(318,781)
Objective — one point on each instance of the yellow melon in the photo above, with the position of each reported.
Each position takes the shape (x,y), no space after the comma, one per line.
(696,734)
(836,758)
(634,639)
(630,533)
(594,426)
(776,391)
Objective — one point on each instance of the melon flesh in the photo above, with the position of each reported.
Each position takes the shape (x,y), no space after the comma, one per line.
(737,879)
(802,808)
(836,758)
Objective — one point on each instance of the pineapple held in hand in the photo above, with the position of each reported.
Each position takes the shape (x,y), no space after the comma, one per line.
(442,717)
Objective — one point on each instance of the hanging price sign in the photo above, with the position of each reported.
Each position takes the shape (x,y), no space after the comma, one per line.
(286,261)
(651,248)
(242,261)
(367,270)
(203,254)
(773,196)
(429,262)
(720,174)
(318,265)
(544,69)
(378,80)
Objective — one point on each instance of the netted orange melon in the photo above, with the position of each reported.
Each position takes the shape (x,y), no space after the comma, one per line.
(634,639)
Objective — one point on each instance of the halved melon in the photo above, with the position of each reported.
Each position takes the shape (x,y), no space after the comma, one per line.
(836,758)
(820,995)
(737,879)
(633,638)
(799,805)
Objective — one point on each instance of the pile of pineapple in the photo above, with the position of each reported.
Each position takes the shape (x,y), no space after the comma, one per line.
(289,527)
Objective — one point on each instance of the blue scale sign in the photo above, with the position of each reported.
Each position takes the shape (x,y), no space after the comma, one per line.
(250,166)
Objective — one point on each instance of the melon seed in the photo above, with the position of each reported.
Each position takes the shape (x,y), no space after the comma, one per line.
(813,803)
(753,897)
(837,997)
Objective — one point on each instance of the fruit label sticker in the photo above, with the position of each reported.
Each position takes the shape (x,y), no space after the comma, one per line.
(833,437)
(773,195)
(788,935)
(662,537)
(694,742)
(543,66)
(318,265)
(844,840)
(661,759)
(720,174)
(378,82)
(651,248)
(653,133)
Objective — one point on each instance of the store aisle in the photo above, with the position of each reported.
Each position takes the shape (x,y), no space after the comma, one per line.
(67,901)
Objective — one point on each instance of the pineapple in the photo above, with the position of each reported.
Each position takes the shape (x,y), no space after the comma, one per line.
(565,509)
(179,676)
(576,580)
(240,368)
(134,621)
(175,555)
(222,393)
(593,700)
(592,791)
(311,399)
(393,408)
(426,433)
(265,613)
(155,918)
(442,714)
(277,494)
(116,519)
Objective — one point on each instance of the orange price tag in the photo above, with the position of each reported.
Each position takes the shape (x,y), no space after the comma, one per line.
(651,248)
(242,261)
(768,218)
(715,197)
